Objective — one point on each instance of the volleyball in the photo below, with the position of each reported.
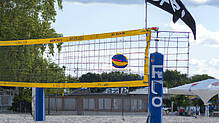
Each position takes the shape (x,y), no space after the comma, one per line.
(119,61)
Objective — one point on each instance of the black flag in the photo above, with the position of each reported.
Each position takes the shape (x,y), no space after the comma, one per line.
(178,10)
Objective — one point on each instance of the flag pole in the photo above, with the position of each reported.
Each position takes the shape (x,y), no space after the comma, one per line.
(146,56)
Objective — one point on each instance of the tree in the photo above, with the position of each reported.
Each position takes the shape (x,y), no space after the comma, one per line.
(24,19)
(174,78)
(28,19)
(108,77)
(22,101)
(197,78)
(90,77)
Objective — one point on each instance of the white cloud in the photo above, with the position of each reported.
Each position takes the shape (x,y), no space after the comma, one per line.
(214,62)
(200,66)
(200,1)
(203,2)
(204,36)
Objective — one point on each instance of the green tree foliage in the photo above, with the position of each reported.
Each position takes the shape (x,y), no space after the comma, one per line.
(52,91)
(174,78)
(181,100)
(90,77)
(108,77)
(25,19)
(197,78)
(28,19)
(22,101)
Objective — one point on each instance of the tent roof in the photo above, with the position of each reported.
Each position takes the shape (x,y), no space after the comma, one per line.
(205,89)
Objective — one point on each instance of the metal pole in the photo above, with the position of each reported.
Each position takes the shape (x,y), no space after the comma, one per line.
(146,59)
(207,110)
(156,43)
(172,102)
(123,108)
(217,101)
(146,63)
(48,104)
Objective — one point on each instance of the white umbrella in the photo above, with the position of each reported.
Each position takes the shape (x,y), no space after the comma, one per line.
(205,89)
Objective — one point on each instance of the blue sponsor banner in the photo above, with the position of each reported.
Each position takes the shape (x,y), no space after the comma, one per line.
(40,105)
(156,87)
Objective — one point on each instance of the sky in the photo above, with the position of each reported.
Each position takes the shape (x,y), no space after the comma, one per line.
(80,17)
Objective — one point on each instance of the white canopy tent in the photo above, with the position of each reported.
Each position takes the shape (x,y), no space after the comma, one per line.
(205,89)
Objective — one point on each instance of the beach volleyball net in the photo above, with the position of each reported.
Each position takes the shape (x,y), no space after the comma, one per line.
(174,45)
(32,63)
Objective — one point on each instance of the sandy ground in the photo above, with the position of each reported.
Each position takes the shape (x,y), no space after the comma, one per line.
(26,118)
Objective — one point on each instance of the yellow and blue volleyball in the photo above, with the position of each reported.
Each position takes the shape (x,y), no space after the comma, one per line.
(119,61)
